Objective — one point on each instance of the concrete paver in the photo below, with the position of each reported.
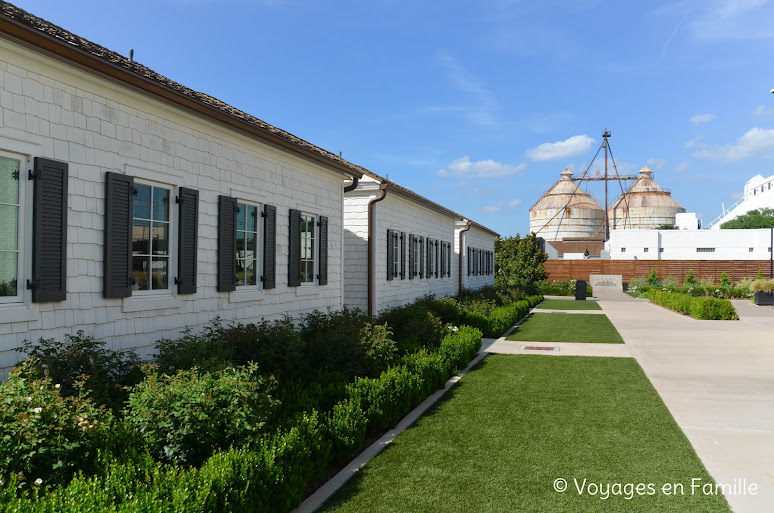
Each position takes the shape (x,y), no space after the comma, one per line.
(717,379)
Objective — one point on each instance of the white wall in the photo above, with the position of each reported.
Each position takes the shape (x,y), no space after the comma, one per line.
(683,244)
(399,213)
(51,110)
(480,239)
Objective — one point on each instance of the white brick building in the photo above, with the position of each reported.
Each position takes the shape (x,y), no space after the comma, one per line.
(133,208)
(414,245)
(98,240)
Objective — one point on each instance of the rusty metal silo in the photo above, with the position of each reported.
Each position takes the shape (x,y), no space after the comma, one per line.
(645,206)
(566,211)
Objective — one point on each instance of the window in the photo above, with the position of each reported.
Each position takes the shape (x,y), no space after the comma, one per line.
(395,254)
(431,258)
(11,194)
(646,250)
(705,250)
(750,250)
(307,248)
(417,262)
(246,245)
(150,238)
(660,250)
(623,250)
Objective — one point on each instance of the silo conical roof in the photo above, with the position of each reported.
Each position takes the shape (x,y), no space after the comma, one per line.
(565,210)
(646,205)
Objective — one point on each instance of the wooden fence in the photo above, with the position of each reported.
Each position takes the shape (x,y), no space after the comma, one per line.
(582,269)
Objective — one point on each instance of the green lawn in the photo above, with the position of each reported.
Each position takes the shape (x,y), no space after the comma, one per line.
(501,437)
(559,327)
(568,304)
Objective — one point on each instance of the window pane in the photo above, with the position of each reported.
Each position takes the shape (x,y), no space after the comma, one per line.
(141,238)
(160,244)
(250,269)
(160,267)
(9,181)
(8,270)
(140,270)
(160,204)
(9,227)
(142,201)
(241,211)
(251,217)
(240,258)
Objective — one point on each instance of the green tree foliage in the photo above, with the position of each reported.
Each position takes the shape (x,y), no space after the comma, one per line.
(519,263)
(653,277)
(759,218)
(690,280)
(666,227)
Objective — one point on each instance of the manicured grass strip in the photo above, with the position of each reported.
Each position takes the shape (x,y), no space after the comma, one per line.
(559,327)
(568,304)
(508,429)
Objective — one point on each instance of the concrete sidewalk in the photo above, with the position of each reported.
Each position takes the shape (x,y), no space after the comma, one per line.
(717,379)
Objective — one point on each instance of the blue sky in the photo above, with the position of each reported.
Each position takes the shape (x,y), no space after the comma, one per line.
(478,105)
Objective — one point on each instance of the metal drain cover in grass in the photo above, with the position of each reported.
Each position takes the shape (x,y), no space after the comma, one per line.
(538,348)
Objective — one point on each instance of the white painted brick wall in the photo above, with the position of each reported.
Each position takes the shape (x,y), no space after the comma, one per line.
(480,239)
(398,213)
(48,109)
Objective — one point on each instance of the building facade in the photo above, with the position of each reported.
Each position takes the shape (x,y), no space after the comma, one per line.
(690,244)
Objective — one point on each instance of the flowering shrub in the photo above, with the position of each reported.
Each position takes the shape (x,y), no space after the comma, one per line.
(184,417)
(45,436)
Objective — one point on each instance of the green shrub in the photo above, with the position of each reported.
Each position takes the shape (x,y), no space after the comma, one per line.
(762,285)
(414,326)
(670,281)
(698,307)
(725,281)
(638,284)
(652,277)
(85,360)
(690,279)
(47,436)
(332,340)
(379,351)
(347,426)
(182,418)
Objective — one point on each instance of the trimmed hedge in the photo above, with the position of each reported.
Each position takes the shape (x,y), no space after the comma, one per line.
(704,308)
(272,473)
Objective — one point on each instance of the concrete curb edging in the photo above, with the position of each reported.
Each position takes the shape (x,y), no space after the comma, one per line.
(318,498)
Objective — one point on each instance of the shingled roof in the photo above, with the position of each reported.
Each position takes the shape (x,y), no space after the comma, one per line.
(39,33)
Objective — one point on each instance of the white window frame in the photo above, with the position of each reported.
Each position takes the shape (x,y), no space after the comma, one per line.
(172,244)
(23,240)
(315,250)
(258,244)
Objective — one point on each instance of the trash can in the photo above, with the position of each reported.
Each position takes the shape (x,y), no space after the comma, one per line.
(580,290)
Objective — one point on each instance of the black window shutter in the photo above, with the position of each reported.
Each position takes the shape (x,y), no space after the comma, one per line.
(187,240)
(390,254)
(294,249)
(119,205)
(429,253)
(322,278)
(49,221)
(227,214)
(412,256)
(269,247)
(468,262)
(402,255)
(443,258)
(449,259)
(421,257)
(436,257)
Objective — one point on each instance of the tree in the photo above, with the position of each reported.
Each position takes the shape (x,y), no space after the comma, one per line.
(758,218)
(519,263)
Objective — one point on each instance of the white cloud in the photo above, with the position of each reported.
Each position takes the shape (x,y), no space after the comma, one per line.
(700,119)
(695,143)
(500,205)
(493,209)
(761,110)
(682,167)
(573,147)
(480,169)
(754,142)
(656,163)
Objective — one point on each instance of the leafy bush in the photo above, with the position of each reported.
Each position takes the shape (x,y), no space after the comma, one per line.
(85,361)
(690,279)
(707,282)
(652,277)
(332,340)
(46,435)
(670,281)
(725,281)
(697,307)
(561,288)
(414,326)
(762,285)
(378,349)
(637,284)
(182,418)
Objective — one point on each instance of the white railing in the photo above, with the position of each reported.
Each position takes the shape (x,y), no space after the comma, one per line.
(726,211)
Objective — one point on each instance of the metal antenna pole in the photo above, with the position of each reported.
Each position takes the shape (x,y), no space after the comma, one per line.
(607,219)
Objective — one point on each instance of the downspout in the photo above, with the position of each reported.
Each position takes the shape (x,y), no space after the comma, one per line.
(459,267)
(353,186)
(371,245)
